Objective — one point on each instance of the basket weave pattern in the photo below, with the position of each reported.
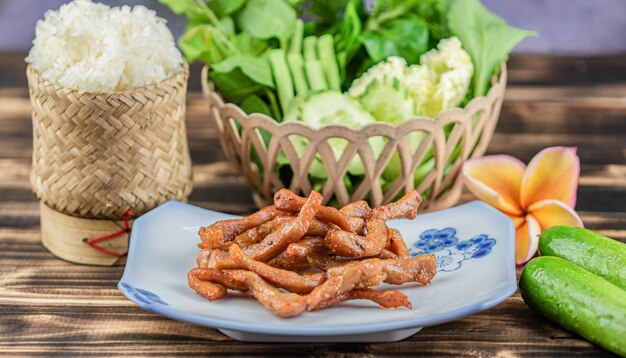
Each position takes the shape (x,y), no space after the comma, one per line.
(469,137)
(96,155)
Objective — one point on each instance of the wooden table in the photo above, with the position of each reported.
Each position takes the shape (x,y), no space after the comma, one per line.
(49,306)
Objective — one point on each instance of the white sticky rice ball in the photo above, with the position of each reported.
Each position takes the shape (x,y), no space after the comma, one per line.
(91,47)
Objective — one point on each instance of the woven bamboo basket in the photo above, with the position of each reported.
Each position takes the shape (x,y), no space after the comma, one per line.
(97,155)
(447,141)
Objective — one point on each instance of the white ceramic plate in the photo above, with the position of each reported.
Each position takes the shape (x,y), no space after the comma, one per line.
(474,244)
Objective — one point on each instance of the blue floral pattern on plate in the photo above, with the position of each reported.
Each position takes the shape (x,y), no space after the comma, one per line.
(142,296)
(434,240)
(476,247)
(449,251)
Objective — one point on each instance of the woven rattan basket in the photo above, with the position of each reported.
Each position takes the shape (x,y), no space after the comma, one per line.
(447,141)
(97,155)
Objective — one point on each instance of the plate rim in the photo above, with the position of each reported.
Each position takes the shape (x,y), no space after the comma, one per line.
(499,296)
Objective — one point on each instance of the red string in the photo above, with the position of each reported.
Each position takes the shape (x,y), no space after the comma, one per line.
(92,242)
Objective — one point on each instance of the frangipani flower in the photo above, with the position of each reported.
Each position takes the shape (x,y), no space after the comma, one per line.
(535,197)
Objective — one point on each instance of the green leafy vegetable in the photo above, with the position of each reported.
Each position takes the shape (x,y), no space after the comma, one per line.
(194,9)
(266,19)
(248,45)
(226,7)
(227,25)
(393,40)
(434,13)
(256,68)
(204,43)
(348,31)
(486,37)
(327,10)
(254,104)
(347,36)
(385,11)
(234,85)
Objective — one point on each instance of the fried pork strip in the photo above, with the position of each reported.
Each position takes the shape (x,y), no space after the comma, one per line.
(405,207)
(348,244)
(316,228)
(295,257)
(420,269)
(212,283)
(286,200)
(343,279)
(384,298)
(273,244)
(216,235)
(357,209)
(255,234)
(217,259)
(324,261)
(277,241)
(396,244)
(210,290)
(304,247)
(289,280)
(283,304)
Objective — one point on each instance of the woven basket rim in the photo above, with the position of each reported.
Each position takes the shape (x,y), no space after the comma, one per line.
(37,76)
(374,129)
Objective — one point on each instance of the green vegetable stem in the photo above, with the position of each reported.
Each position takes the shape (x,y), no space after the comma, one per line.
(326,51)
(296,67)
(282,78)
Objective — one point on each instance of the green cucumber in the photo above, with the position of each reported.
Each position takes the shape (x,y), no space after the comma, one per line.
(388,100)
(319,109)
(595,253)
(577,300)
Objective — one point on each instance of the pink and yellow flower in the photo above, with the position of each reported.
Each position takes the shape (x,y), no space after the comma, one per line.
(535,197)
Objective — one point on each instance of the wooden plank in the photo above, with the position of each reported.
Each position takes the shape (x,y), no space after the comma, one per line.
(520,331)
(566,70)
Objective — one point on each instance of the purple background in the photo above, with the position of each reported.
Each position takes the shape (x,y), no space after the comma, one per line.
(565,26)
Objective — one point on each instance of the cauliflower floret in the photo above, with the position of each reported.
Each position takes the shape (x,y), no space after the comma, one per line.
(420,83)
(439,82)
(451,71)
(392,68)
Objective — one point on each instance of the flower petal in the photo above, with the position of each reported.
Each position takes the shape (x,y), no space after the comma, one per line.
(526,240)
(496,180)
(554,212)
(551,174)
(517,220)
